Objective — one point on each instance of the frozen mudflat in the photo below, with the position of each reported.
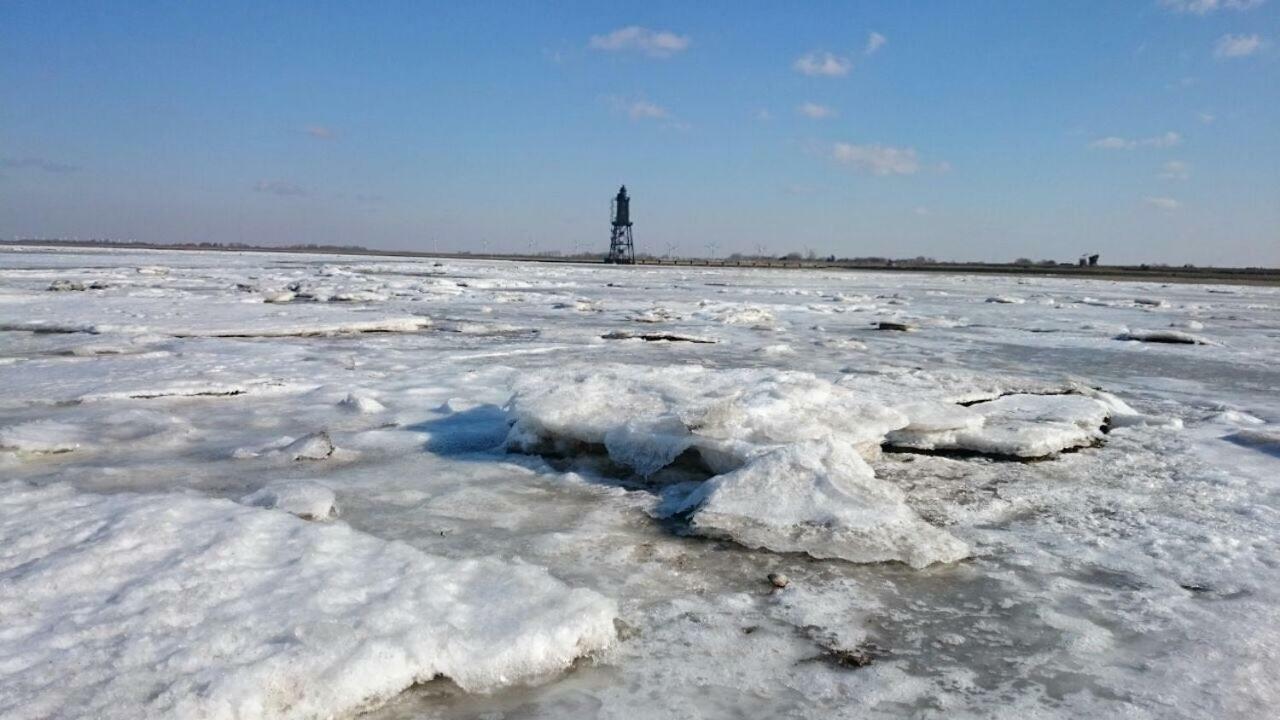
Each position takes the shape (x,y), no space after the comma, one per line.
(270,485)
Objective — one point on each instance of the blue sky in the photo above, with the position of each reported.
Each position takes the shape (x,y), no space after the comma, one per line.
(1147,130)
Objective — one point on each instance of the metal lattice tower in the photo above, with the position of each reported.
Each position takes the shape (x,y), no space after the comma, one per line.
(622,250)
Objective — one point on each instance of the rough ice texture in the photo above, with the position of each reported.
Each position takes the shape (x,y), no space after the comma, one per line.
(42,436)
(788,448)
(307,499)
(646,417)
(821,498)
(896,386)
(130,606)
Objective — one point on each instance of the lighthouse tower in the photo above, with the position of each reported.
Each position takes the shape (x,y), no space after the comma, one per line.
(621,249)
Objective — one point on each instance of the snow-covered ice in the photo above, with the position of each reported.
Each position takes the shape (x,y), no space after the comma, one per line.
(1005,513)
(128,606)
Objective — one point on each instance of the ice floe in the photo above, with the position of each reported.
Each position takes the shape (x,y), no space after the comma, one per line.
(787,449)
(1022,426)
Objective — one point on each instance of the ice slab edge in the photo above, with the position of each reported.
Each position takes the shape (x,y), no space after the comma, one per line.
(184,606)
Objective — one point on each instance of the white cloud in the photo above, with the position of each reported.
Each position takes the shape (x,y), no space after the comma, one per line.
(320,132)
(1168,139)
(1163,203)
(877,159)
(1237,46)
(822,64)
(875,41)
(763,115)
(815,111)
(1206,118)
(658,44)
(1204,7)
(922,211)
(1175,170)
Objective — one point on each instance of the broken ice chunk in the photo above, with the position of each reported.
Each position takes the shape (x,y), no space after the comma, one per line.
(307,499)
(361,404)
(819,498)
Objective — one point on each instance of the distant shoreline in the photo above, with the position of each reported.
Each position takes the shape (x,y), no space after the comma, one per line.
(1139,273)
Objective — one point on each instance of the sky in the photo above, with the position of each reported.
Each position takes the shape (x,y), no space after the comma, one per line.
(1144,130)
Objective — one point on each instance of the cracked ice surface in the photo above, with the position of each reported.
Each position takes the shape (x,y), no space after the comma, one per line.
(1135,577)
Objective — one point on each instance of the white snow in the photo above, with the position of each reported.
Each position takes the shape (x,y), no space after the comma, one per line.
(127,606)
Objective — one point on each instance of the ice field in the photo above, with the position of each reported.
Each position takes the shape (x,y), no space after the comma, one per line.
(242,485)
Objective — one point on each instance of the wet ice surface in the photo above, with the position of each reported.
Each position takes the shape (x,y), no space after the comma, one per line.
(1133,574)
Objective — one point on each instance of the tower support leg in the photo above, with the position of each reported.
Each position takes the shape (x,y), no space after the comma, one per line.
(621,248)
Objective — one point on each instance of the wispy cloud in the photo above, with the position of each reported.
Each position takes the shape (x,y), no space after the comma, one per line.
(877,159)
(1163,203)
(283,188)
(1205,7)
(319,132)
(1168,139)
(875,41)
(30,162)
(822,64)
(1206,118)
(641,109)
(633,38)
(1175,170)
(815,111)
(1237,46)
(763,115)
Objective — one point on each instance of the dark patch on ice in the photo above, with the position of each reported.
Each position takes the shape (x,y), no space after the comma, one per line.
(655,337)
(895,326)
(76,285)
(1047,393)
(963,454)
(197,393)
(478,429)
(1168,338)
(859,656)
(1209,592)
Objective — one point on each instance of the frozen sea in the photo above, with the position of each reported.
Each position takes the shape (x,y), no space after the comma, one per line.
(240,485)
